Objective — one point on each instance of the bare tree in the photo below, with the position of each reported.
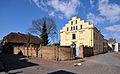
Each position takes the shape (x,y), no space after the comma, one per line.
(37,26)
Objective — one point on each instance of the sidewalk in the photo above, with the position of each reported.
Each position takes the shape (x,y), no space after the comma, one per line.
(53,62)
(69,62)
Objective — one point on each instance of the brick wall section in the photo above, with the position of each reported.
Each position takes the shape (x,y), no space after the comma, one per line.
(88,51)
(85,51)
(66,53)
(47,52)
(31,50)
(81,51)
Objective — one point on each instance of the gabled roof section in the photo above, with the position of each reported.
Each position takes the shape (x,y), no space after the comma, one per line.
(112,41)
(79,22)
(21,38)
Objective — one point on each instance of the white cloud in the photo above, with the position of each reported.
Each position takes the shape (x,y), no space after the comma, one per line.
(110,10)
(95,19)
(115,35)
(91,17)
(92,3)
(60,16)
(52,13)
(113,28)
(66,8)
(37,3)
(107,12)
(113,31)
(41,4)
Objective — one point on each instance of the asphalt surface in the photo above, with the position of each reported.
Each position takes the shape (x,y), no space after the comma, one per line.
(104,64)
(107,59)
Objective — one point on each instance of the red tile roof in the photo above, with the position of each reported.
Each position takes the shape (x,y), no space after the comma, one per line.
(111,41)
(22,38)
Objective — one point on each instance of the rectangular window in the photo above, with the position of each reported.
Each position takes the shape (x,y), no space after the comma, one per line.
(80,26)
(76,21)
(73,36)
(71,28)
(71,22)
(67,28)
(76,27)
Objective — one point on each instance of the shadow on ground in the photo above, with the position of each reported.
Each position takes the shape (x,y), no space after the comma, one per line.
(12,62)
(61,72)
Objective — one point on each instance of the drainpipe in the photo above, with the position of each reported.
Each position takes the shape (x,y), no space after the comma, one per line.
(91,37)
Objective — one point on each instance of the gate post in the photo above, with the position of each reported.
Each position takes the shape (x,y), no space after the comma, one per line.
(56,53)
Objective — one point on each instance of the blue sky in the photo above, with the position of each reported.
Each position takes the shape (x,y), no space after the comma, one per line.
(17,15)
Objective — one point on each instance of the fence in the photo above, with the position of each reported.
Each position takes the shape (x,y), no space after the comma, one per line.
(46,52)
(85,51)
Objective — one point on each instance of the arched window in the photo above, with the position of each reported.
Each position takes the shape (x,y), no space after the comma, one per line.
(76,27)
(76,21)
(80,26)
(67,28)
(73,36)
(71,28)
(71,22)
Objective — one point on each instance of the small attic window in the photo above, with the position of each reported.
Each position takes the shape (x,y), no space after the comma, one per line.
(76,21)
(71,22)
(71,28)
(76,27)
(67,28)
(80,26)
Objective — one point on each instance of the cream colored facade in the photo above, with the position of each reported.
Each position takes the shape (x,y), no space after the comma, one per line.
(81,33)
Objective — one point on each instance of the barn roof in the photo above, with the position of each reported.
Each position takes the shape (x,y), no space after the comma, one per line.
(22,38)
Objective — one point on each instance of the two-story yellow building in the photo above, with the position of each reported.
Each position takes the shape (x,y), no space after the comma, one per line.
(81,33)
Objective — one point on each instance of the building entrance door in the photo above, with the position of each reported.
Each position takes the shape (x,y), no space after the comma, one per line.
(77,51)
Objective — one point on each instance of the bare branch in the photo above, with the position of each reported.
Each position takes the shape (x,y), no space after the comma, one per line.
(37,26)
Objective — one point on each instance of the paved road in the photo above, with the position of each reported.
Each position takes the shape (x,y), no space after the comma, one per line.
(107,59)
(105,64)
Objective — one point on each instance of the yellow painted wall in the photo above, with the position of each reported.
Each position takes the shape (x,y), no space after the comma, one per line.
(84,36)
